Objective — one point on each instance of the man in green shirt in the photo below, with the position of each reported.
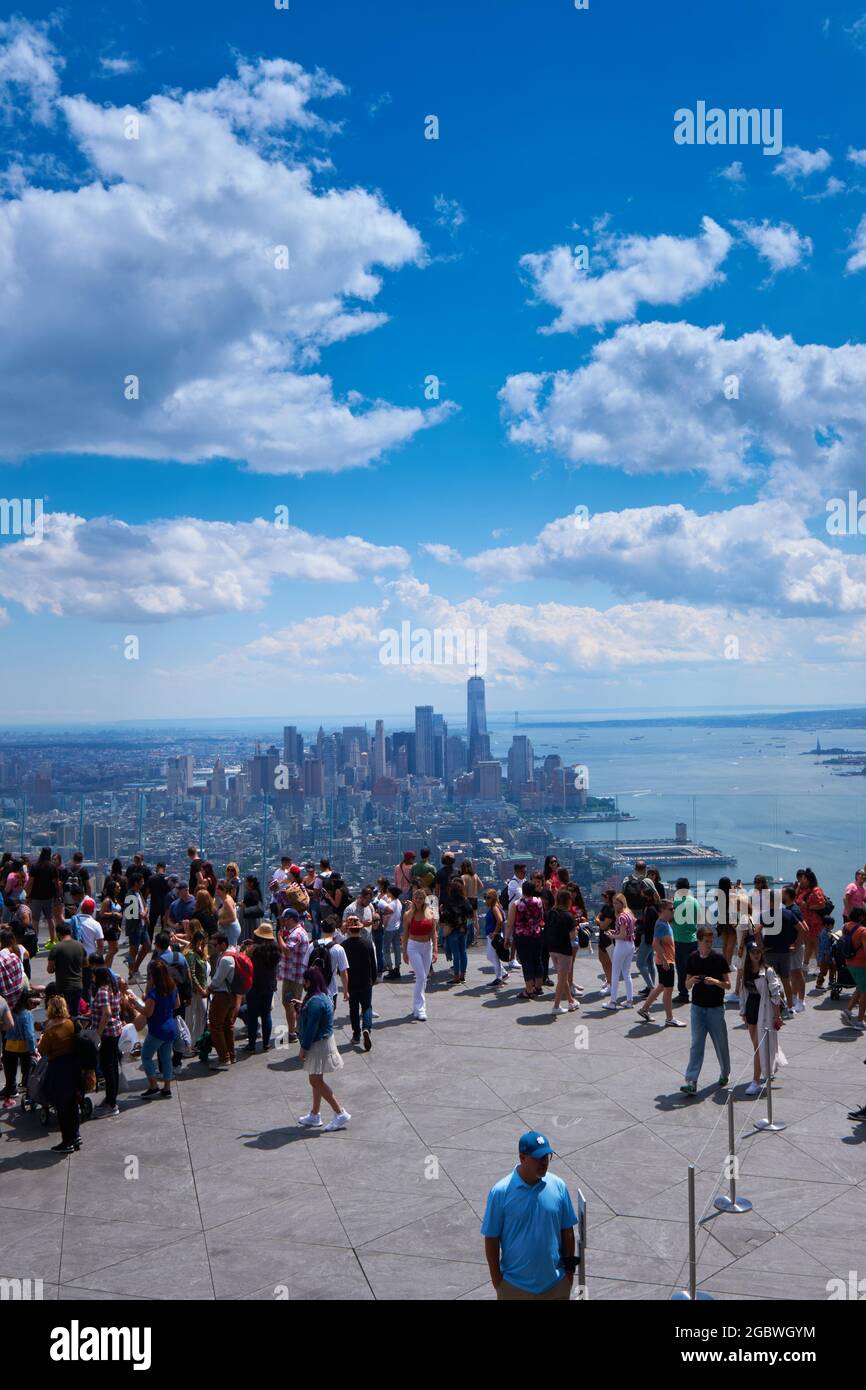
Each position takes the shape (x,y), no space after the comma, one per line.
(685,929)
(423,873)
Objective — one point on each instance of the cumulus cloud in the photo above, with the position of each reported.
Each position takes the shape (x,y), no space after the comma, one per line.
(734,173)
(449,213)
(857,258)
(446,554)
(795,163)
(117,67)
(199,258)
(635,269)
(105,569)
(30,66)
(759,556)
(652,399)
(857,157)
(781,245)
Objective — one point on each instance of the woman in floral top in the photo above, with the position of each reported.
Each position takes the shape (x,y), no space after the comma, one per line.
(526,927)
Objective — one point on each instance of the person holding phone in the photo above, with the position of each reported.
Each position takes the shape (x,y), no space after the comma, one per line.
(707,977)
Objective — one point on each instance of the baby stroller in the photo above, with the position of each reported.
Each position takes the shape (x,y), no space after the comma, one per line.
(36,1098)
(844,979)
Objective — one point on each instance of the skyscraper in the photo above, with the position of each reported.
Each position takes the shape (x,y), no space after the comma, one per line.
(424,756)
(379,751)
(521,763)
(476,721)
(291,752)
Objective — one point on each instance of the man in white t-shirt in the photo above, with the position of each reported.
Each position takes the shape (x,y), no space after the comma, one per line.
(91,935)
(339,965)
(280,876)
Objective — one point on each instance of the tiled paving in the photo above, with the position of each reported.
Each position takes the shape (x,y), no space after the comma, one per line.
(233,1200)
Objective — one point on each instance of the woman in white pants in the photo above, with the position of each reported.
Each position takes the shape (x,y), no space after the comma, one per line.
(494,921)
(419,948)
(622,934)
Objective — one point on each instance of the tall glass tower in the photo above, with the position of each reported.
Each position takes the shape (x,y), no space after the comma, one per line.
(476,721)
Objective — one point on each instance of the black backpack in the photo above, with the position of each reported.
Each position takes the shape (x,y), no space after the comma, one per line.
(320,959)
(503,899)
(86,1052)
(180,975)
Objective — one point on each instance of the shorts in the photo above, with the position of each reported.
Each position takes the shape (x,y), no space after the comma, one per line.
(798,957)
(137,933)
(667,975)
(112,933)
(858,975)
(753,1009)
(292,991)
(781,963)
(603,941)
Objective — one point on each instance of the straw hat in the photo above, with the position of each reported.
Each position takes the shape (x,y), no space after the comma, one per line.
(265,932)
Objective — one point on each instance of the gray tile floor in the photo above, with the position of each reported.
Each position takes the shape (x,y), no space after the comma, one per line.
(219,1194)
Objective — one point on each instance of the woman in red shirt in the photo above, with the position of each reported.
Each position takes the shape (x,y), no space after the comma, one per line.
(419,948)
(810,899)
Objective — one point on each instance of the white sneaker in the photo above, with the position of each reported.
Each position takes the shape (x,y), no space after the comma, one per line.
(799,1006)
(754,1088)
(339,1121)
(611,1005)
(573,1008)
(311,1121)
(675,1023)
(562,1009)
(605,991)
(422,1016)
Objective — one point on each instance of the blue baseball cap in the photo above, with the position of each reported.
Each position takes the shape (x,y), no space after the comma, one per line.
(534,1144)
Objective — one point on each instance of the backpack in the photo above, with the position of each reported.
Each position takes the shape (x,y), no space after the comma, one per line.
(86,1052)
(77,932)
(73,884)
(181,978)
(847,949)
(503,899)
(826,909)
(321,959)
(243,976)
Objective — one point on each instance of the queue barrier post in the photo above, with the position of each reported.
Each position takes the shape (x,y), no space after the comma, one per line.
(692,1294)
(732,1203)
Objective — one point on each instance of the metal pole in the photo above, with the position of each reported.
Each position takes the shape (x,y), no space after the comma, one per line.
(768,1126)
(732,1203)
(691,1294)
(581,1253)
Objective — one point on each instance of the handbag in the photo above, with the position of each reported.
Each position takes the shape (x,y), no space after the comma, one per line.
(497,941)
(183,1041)
(583,938)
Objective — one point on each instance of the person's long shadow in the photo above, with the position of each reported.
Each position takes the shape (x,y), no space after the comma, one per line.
(268,1140)
(677,1101)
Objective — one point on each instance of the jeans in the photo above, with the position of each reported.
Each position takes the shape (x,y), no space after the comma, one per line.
(258,1007)
(529,954)
(621,969)
(706,1021)
(155,1047)
(378,945)
(420,955)
(109,1065)
(458,952)
(393,949)
(11,1061)
(645,964)
(361,1009)
(682,951)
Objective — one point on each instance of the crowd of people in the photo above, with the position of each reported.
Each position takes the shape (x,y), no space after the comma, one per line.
(204,952)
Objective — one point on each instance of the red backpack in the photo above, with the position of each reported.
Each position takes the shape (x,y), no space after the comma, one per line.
(243,976)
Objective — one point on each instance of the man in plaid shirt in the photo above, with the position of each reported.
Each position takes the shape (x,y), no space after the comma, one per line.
(11,969)
(294,949)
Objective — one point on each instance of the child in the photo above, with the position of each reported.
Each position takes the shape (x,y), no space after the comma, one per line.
(19,1045)
(826,963)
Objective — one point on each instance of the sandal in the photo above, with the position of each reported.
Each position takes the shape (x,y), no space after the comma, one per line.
(523,995)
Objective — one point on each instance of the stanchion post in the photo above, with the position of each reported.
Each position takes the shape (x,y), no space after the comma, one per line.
(732,1203)
(691,1294)
(769,1126)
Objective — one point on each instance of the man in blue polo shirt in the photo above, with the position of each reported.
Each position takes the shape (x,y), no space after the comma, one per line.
(528,1228)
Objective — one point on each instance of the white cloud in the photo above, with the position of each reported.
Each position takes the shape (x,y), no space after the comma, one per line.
(449,213)
(795,163)
(781,245)
(758,557)
(446,554)
(184,567)
(164,266)
(117,67)
(857,259)
(29,64)
(856,156)
(734,173)
(651,399)
(651,270)
(526,643)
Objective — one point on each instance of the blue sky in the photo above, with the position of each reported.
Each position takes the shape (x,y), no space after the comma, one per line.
(556,129)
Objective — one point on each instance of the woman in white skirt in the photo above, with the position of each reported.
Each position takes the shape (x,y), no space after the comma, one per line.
(622,934)
(761,1007)
(318,1050)
(419,948)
